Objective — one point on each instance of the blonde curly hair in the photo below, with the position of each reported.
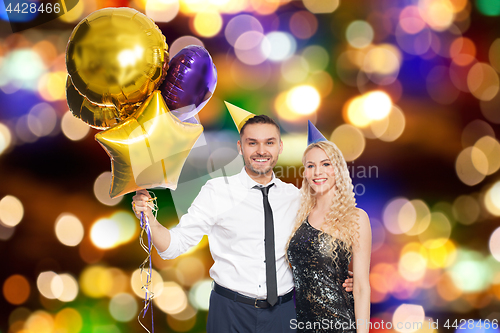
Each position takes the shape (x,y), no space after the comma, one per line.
(341,220)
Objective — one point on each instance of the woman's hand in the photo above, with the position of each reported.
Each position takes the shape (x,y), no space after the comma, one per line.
(348,282)
(140,204)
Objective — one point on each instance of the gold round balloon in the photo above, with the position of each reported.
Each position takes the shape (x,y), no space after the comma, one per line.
(117,56)
(96,116)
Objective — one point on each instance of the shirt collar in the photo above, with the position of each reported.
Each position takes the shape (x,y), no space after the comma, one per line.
(249,182)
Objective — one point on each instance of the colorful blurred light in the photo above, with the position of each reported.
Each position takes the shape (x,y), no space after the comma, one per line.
(73,128)
(192,269)
(356,112)
(44,283)
(252,48)
(474,131)
(466,209)
(207,23)
(162,10)
(410,20)
(96,281)
(68,320)
(181,43)
(101,190)
(349,140)
(303,99)
(408,318)
(140,279)
(440,87)
(293,149)
(303,24)
(11,211)
(317,58)
(399,216)
(16,289)
(492,199)
(494,244)
(483,81)
(282,45)
(439,14)
(123,307)
(384,60)
(463,51)
(172,299)
(417,43)
(490,109)
(184,320)
(69,229)
(42,119)
(23,131)
(467,164)
(52,86)
(446,288)
(491,149)
(104,233)
(422,217)
(263,7)
(439,231)
(377,105)
(240,24)
(412,266)
(22,67)
(199,294)
(69,287)
(494,54)
(5,138)
(322,81)
(470,273)
(295,69)
(40,322)
(321,6)
(255,77)
(441,255)
(488,7)
(359,34)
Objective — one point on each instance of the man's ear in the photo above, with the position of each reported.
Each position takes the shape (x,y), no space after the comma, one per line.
(281,147)
(239,147)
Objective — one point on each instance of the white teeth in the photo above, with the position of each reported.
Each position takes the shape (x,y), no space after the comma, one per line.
(320,180)
(261,160)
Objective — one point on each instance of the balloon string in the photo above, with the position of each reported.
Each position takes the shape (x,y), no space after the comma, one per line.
(144,267)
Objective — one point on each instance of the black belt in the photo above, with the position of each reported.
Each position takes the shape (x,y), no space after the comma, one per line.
(258,303)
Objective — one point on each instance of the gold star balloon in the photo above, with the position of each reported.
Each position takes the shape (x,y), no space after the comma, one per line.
(117,56)
(149,148)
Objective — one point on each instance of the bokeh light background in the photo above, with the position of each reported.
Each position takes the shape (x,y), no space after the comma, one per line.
(409,90)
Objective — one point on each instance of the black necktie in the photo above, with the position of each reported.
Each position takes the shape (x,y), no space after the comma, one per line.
(272,285)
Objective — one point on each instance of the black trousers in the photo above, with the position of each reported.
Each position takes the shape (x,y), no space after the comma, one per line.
(228,316)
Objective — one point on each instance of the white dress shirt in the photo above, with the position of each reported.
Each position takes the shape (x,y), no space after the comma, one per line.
(231,213)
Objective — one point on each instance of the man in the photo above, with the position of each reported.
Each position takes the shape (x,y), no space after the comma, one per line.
(240,214)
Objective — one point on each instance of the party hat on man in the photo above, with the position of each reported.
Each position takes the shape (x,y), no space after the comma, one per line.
(239,115)
(313,134)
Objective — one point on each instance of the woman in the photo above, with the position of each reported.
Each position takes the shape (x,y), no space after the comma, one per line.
(329,232)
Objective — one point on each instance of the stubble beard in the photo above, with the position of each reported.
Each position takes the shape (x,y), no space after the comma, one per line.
(248,164)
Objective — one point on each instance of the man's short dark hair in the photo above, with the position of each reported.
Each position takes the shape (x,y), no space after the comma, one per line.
(260,119)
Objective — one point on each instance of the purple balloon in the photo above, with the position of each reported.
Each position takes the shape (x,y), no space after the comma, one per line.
(190,81)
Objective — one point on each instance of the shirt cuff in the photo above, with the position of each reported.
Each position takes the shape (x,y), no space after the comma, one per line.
(173,250)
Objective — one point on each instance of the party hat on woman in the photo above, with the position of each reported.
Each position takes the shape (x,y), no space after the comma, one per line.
(313,134)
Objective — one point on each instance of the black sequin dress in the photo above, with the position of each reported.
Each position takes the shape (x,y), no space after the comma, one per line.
(322,303)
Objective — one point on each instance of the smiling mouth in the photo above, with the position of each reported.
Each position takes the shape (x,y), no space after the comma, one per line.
(319,181)
(261,160)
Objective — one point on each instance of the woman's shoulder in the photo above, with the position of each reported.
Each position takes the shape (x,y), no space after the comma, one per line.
(362,216)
